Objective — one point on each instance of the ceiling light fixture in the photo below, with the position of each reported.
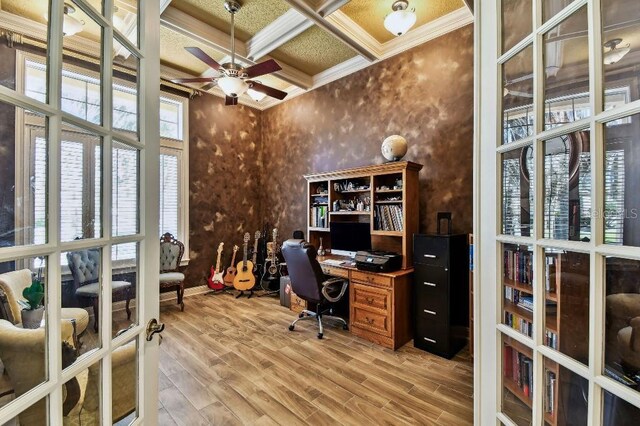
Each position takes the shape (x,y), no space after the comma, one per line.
(70,25)
(401,19)
(614,54)
(255,95)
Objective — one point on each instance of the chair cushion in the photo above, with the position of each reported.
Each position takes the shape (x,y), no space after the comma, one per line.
(81,316)
(169,277)
(92,290)
(169,256)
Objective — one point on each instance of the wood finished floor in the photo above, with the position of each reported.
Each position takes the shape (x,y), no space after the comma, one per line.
(231,362)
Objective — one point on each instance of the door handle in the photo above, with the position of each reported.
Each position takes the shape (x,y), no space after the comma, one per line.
(154,327)
(430,256)
(429,284)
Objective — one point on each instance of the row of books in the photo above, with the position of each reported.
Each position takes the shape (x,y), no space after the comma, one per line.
(550,385)
(388,218)
(517,297)
(520,324)
(519,369)
(319,217)
(551,339)
(518,266)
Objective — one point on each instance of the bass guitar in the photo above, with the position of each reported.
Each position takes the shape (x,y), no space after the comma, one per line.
(231,270)
(216,280)
(244,279)
(270,278)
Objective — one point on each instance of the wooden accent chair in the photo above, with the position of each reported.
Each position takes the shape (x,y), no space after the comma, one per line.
(85,269)
(171,251)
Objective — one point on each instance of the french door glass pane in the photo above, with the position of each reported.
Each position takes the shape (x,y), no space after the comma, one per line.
(171,126)
(125,91)
(618,412)
(622,326)
(125,175)
(23,329)
(35,415)
(81,83)
(517,97)
(516,22)
(566,64)
(125,273)
(618,32)
(550,8)
(565,397)
(23,181)
(621,181)
(82,404)
(517,191)
(567,187)
(518,288)
(567,303)
(80,189)
(517,381)
(125,19)
(124,370)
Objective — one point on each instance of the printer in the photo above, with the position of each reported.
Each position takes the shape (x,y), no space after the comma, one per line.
(378,261)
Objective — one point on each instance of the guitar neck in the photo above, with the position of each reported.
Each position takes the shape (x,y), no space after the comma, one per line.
(244,257)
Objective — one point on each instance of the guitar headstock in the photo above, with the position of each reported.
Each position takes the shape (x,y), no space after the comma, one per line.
(275,234)
(247,237)
(257,235)
(235,248)
(220,246)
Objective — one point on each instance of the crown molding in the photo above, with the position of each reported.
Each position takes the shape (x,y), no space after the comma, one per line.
(356,32)
(277,33)
(163,5)
(209,36)
(327,7)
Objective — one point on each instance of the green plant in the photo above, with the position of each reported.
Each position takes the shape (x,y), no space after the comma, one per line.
(34,294)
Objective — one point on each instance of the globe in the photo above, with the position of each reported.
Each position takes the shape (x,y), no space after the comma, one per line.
(394,147)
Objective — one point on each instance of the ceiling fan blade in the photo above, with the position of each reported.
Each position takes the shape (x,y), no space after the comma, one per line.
(209,86)
(521,94)
(199,53)
(193,80)
(269,91)
(229,100)
(266,67)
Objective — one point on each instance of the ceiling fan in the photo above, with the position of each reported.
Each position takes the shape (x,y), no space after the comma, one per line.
(233,79)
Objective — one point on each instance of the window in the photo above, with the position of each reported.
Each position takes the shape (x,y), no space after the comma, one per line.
(81,157)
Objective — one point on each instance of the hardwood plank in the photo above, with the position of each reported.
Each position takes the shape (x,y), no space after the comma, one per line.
(235,402)
(274,409)
(180,409)
(164,418)
(287,396)
(217,414)
(193,390)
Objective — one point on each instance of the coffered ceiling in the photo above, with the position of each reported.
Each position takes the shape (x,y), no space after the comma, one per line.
(314,41)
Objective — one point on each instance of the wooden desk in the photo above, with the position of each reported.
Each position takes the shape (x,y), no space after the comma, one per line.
(379,303)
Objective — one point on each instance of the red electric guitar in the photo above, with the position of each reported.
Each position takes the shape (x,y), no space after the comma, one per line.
(215,280)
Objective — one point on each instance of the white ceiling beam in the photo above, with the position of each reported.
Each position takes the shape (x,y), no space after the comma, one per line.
(308,11)
(327,7)
(209,36)
(163,5)
(277,33)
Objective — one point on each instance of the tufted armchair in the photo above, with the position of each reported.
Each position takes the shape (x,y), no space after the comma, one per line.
(171,251)
(14,282)
(85,269)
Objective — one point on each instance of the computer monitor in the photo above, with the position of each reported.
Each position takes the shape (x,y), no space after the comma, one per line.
(349,237)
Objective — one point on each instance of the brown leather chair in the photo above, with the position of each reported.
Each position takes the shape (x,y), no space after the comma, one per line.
(311,284)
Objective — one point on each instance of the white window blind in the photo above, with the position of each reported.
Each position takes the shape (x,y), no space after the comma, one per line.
(556,196)
(614,182)
(72,181)
(39,188)
(124,197)
(169,191)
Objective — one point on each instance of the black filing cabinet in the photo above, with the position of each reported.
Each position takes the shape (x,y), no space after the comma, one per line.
(441,293)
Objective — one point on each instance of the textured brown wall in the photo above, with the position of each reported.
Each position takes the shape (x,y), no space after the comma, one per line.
(425,94)
(224,175)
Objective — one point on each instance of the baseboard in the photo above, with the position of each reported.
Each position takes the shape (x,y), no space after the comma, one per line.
(170,295)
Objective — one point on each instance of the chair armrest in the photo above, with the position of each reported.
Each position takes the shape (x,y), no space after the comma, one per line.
(331,284)
(634,341)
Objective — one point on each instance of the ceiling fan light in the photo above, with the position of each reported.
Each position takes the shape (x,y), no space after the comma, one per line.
(71,25)
(233,86)
(255,95)
(401,19)
(614,55)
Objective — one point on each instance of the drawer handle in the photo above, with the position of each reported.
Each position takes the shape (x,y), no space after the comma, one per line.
(429,284)
(429,340)
(369,321)
(430,256)
(426,311)
(370,300)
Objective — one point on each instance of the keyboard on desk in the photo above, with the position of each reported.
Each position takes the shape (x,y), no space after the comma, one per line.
(333,262)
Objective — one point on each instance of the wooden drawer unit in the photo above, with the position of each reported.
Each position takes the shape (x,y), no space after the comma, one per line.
(441,293)
(369,297)
(335,272)
(371,278)
(376,322)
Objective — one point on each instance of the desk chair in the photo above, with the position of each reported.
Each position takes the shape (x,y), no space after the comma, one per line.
(311,284)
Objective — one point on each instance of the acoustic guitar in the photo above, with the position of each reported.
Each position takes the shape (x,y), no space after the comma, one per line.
(271,276)
(231,270)
(244,279)
(216,280)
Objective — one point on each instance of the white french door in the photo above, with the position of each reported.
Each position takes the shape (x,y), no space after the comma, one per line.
(79,211)
(558,136)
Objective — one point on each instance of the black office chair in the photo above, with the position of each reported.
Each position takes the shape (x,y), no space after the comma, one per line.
(311,284)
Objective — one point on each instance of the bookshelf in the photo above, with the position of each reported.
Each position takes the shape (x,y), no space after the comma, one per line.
(384,195)
(565,282)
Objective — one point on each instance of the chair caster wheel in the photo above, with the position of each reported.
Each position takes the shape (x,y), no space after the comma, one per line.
(291,327)
(345,327)
(300,315)
(319,335)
